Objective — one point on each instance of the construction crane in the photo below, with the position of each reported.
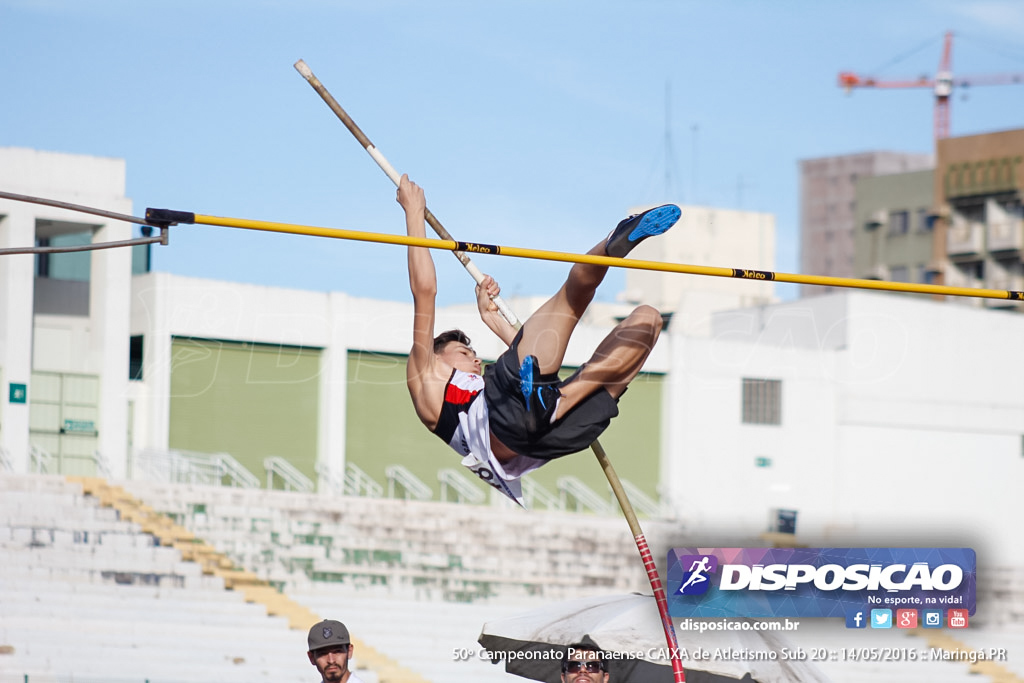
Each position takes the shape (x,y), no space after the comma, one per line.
(942,83)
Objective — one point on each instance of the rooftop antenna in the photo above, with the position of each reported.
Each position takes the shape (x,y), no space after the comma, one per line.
(694,129)
(669,156)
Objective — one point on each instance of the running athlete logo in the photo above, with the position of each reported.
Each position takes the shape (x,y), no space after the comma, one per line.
(695,579)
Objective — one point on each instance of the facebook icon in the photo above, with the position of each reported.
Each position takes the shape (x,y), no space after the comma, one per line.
(856,619)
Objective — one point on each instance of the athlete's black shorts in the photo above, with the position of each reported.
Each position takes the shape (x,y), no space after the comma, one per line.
(573,432)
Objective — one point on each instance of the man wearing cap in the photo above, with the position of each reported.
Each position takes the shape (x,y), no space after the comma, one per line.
(330,651)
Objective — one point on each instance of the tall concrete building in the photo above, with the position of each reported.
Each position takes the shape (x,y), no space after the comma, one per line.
(979,186)
(961,225)
(828,207)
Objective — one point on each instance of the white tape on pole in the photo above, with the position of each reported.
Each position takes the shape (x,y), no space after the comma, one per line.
(384,165)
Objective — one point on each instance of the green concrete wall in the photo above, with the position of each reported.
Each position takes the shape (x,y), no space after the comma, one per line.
(253,401)
(382,429)
(249,400)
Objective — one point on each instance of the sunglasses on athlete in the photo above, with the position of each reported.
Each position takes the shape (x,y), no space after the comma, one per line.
(574,667)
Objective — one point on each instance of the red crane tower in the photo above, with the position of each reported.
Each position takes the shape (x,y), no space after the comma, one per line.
(942,83)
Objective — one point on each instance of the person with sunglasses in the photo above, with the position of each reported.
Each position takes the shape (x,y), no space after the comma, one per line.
(584,663)
(518,414)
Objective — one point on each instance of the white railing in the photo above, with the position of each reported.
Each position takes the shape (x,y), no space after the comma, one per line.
(190,467)
(499,500)
(290,476)
(534,494)
(359,483)
(102,465)
(166,466)
(640,501)
(328,482)
(414,488)
(571,488)
(465,491)
(40,460)
(236,473)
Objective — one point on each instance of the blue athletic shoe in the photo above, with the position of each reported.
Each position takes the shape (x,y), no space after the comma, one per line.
(541,399)
(635,229)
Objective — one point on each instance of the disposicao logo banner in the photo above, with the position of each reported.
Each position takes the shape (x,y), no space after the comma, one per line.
(817,582)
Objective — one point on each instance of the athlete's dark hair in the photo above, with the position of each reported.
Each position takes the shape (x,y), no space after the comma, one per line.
(442,340)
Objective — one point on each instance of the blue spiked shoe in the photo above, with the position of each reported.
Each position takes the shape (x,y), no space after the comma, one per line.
(635,229)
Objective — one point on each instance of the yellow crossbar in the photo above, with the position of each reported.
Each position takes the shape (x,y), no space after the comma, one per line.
(713,271)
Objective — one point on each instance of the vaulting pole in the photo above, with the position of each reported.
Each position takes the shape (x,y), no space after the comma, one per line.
(627,508)
(396,177)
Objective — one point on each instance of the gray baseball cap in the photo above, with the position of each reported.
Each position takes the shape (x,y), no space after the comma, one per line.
(327,633)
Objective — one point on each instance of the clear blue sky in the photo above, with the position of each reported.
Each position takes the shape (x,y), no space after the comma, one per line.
(533,124)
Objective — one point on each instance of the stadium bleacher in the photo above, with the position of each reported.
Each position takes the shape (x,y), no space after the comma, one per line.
(86,596)
(430,550)
(85,593)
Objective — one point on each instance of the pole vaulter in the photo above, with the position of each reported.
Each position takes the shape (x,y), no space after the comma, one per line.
(602,457)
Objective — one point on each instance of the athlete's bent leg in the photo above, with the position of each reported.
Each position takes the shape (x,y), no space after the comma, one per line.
(617,359)
(546,333)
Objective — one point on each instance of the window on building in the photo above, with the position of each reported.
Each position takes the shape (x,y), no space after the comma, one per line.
(142,258)
(972,213)
(924,223)
(899,222)
(976,270)
(762,401)
(71,265)
(135,358)
(1014,208)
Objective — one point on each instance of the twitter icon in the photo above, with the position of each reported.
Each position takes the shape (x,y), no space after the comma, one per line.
(881,618)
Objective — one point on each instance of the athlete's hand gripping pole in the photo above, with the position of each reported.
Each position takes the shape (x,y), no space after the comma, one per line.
(613,479)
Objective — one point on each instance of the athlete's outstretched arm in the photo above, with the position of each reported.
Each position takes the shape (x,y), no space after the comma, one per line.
(423,282)
(489,313)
